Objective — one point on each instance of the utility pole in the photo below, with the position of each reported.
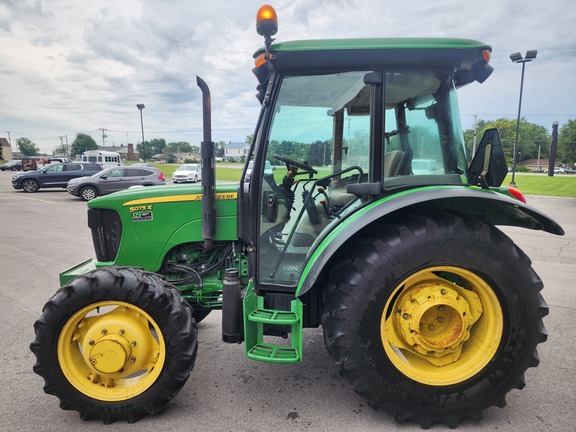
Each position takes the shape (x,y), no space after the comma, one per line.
(65,147)
(103,131)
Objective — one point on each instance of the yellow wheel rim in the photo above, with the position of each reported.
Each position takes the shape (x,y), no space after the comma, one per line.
(111,351)
(442,325)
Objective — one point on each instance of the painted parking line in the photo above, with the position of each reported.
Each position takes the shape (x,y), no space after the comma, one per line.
(27,198)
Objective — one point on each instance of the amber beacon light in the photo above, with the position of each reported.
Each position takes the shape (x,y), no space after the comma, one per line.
(267,22)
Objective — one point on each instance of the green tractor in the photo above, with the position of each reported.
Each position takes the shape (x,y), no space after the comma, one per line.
(361,215)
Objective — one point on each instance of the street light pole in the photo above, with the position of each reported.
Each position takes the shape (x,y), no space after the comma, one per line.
(517,58)
(140,108)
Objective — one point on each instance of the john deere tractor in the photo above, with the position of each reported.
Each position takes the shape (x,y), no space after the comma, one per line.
(361,215)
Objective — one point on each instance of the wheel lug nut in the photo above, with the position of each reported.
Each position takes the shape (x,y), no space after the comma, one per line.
(405,316)
(441,308)
(133,343)
(104,331)
(91,342)
(442,291)
(440,319)
(431,327)
(121,331)
(132,359)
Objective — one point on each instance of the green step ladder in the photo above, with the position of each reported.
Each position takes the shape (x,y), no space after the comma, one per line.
(256,316)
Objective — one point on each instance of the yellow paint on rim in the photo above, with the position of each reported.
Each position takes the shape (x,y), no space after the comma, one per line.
(111,351)
(221,196)
(442,325)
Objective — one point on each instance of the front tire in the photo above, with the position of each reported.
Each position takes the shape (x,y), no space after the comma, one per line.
(116,343)
(434,317)
(30,186)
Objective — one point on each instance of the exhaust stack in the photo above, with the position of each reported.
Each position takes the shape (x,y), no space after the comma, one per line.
(208,169)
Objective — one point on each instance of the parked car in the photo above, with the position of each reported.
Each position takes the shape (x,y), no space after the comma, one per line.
(114,179)
(13,165)
(557,170)
(268,169)
(187,173)
(59,159)
(53,175)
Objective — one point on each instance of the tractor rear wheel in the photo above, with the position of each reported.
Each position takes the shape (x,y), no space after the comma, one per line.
(116,343)
(434,317)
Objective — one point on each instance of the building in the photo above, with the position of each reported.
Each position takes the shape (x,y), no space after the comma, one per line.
(236,151)
(6,149)
(127,153)
(533,165)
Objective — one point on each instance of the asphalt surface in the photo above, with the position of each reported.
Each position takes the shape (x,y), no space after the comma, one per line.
(46,232)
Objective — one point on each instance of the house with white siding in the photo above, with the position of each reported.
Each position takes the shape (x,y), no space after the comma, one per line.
(236,151)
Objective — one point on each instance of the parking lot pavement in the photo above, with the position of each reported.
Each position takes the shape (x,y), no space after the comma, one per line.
(46,232)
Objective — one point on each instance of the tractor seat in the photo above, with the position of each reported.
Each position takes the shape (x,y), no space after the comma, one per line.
(392,160)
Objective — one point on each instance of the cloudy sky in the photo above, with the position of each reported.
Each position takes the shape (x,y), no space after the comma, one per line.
(69,66)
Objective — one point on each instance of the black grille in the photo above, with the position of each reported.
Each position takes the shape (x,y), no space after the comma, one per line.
(106,229)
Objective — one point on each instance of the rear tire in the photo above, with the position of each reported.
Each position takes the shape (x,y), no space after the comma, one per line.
(30,185)
(88,193)
(116,343)
(434,317)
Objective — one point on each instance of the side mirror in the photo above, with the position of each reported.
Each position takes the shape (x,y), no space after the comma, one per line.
(488,167)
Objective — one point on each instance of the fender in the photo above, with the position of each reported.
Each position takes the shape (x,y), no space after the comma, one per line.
(490,205)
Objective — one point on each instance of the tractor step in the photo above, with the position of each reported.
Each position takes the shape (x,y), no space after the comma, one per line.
(274,354)
(256,317)
(274,317)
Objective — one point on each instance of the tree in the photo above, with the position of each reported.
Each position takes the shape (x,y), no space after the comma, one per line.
(320,153)
(61,150)
(27,147)
(82,143)
(531,137)
(219,149)
(151,148)
(178,147)
(567,143)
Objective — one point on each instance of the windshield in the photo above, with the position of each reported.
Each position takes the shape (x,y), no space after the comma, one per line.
(324,137)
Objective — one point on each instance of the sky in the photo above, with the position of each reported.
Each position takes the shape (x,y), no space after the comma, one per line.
(69,66)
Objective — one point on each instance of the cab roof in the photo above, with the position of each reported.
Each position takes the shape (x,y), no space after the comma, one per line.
(461,56)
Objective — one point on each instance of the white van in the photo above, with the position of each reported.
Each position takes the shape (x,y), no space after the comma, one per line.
(103,158)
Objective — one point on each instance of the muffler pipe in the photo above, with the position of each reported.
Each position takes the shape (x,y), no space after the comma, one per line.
(208,169)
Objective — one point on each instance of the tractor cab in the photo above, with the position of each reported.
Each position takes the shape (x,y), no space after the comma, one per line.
(351,122)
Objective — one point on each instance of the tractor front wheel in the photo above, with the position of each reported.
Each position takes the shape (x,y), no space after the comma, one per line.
(434,317)
(116,343)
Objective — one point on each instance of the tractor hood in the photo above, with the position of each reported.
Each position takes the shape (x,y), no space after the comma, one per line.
(156,219)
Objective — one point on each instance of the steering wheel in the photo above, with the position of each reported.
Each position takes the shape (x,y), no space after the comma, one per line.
(304,166)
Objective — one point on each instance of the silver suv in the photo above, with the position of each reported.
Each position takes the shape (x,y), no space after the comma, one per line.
(114,179)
